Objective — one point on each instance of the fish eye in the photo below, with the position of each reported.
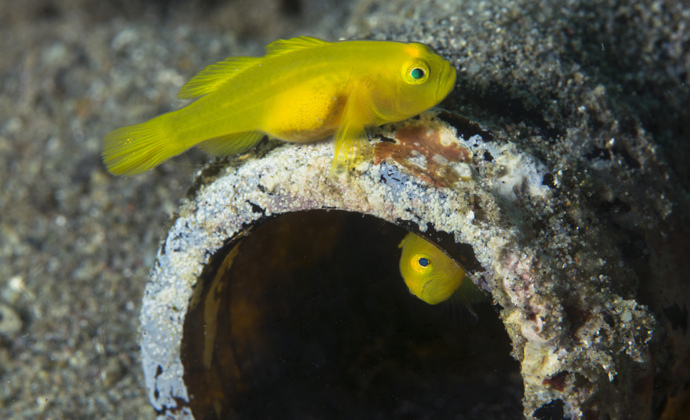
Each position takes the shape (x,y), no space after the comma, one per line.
(421,263)
(417,73)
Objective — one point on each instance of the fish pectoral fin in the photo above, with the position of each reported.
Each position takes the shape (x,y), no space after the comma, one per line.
(231,144)
(284,46)
(350,145)
(350,139)
(215,75)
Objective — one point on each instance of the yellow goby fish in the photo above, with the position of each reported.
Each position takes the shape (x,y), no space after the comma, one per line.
(429,273)
(304,89)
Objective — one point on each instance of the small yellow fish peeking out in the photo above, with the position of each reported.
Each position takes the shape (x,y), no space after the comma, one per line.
(304,89)
(429,273)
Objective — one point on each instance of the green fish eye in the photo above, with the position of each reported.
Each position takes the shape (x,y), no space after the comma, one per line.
(415,71)
(423,261)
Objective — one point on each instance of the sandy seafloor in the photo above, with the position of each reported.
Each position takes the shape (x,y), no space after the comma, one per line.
(76,243)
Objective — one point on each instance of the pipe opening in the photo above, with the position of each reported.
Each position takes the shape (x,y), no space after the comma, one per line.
(307,316)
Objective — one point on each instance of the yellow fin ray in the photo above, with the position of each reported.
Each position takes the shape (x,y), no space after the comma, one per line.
(214,76)
(350,140)
(232,143)
(350,146)
(137,148)
(284,46)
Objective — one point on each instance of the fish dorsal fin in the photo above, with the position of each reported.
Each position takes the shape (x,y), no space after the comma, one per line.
(284,46)
(215,75)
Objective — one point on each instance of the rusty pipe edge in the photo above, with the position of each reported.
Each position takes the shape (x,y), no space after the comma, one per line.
(580,343)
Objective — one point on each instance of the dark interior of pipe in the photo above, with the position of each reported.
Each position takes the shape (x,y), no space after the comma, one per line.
(307,316)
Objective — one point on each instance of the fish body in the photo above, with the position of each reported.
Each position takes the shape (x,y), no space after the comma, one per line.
(429,273)
(304,89)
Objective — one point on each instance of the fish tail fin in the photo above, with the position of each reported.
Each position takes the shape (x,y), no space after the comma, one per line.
(231,144)
(137,148)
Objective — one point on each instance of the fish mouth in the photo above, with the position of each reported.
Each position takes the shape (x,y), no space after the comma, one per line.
(429,283)
(446,81)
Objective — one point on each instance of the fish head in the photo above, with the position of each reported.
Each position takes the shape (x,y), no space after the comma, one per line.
(428,273)
(425,79)
(428,280)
